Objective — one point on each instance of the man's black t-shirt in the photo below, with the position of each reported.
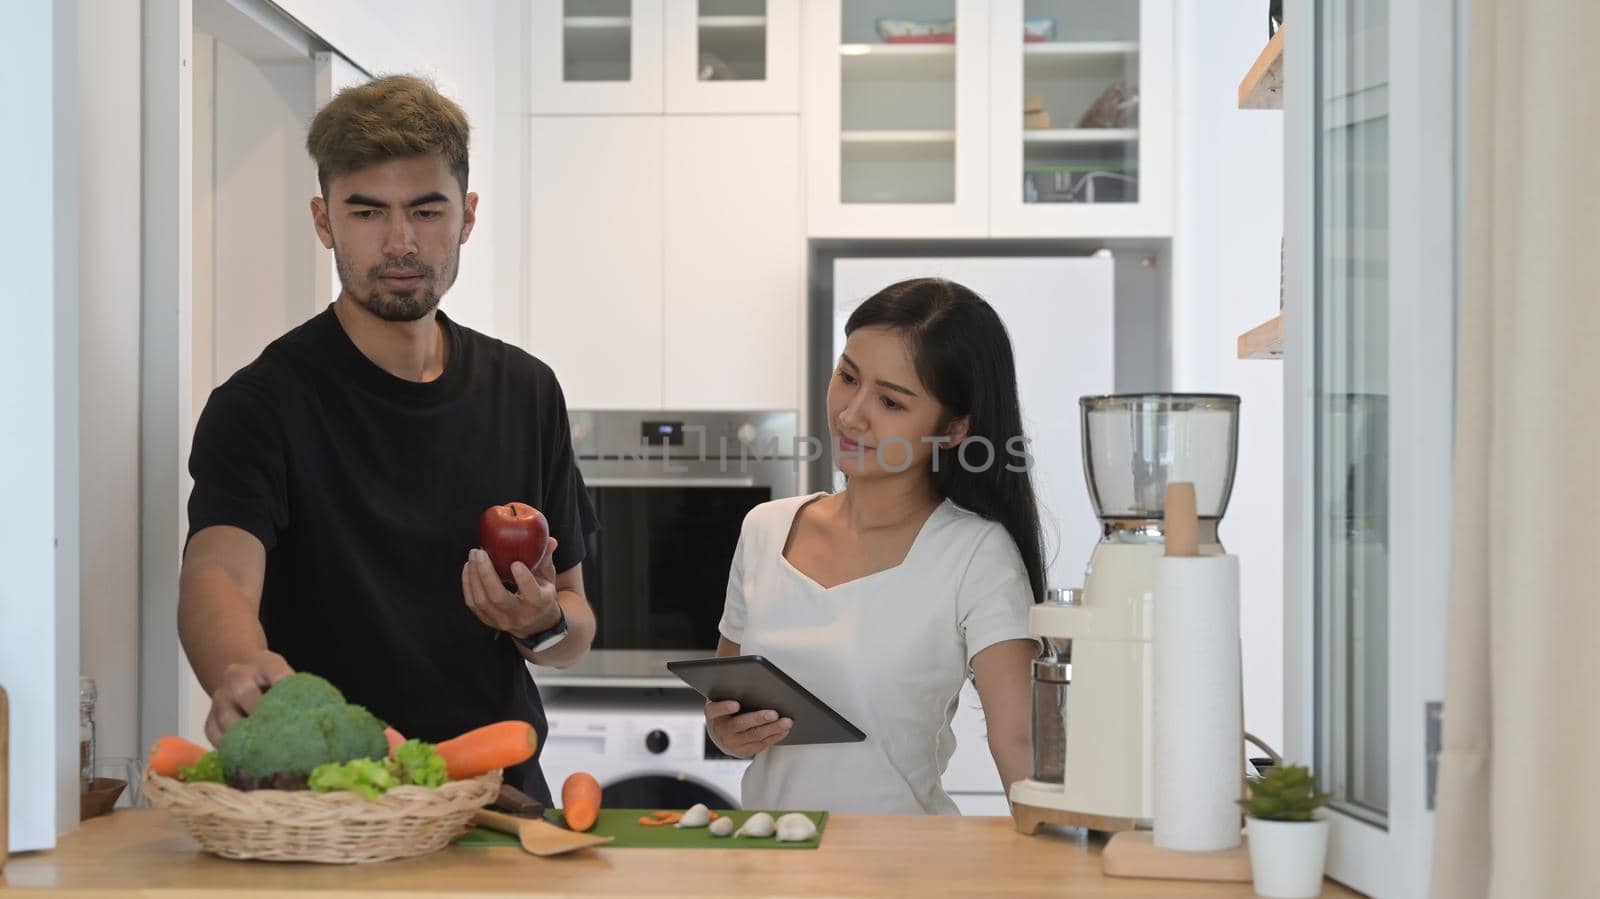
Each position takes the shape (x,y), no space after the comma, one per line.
(366,490)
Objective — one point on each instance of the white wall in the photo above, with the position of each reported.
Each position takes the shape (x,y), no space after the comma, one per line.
(459,43)
(266,251)
(505,210)
(1225,282)
(107,112)
(455,44)
(39,530)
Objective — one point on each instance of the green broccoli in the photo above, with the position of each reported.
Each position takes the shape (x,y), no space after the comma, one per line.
(281,746)
(299,691)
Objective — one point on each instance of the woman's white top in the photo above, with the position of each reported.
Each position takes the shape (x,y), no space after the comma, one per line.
(888,651)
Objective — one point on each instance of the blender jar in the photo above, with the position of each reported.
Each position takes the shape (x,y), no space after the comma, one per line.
(1133,445)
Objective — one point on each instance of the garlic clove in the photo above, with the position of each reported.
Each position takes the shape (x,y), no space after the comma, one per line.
(759,824)
(722,827)
(795,828)
(697,816)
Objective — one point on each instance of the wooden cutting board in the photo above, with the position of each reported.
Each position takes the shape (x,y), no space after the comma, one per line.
(623,826)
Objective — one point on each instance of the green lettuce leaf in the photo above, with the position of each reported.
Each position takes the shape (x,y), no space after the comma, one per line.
(418,763)
(369,777)
(207,768)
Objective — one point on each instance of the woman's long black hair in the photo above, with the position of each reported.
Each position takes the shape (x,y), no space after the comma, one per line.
(963,355)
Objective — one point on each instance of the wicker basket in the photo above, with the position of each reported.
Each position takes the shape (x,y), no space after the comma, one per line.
(339,827)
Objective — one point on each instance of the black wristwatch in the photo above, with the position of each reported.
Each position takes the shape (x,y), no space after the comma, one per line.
(547,638)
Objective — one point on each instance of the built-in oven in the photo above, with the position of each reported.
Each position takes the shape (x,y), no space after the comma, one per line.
(671,490)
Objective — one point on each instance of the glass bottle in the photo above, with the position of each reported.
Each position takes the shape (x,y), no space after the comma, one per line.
(86,748)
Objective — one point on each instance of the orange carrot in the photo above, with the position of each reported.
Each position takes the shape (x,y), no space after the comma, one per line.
(498,745)
(662,819)
(580,800)
(394,737)
(169,755)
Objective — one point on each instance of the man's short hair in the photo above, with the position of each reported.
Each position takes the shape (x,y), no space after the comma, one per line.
(388,118)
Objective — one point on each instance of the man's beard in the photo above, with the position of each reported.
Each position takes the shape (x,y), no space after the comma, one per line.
(394,306)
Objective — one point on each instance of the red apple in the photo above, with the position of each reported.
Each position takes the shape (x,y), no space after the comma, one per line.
(513,532)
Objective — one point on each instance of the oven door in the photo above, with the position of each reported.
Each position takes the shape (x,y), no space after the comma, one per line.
(656,571)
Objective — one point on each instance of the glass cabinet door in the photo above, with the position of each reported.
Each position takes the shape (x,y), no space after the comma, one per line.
(900,111)
(731,37)
(597,40)
(733,56)
(1081,118)
(897,126)
(595,56)
(1080,101)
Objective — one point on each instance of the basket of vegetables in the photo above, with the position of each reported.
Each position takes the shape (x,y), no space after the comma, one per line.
(309,777)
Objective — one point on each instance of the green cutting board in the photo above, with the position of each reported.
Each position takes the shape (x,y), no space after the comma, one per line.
(623,825)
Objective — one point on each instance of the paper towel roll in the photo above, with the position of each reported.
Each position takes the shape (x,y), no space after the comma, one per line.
(1198,722)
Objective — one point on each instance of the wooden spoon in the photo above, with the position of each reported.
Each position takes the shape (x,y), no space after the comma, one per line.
(539,838)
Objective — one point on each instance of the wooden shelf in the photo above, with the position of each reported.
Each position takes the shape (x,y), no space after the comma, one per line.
(1262,87)
(1265,341)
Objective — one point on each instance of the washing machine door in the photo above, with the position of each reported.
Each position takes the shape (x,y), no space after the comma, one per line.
(662,791)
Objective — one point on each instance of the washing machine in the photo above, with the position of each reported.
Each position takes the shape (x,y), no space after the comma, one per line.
(648,748)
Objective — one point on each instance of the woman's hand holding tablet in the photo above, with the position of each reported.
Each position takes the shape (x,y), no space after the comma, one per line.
(752,705)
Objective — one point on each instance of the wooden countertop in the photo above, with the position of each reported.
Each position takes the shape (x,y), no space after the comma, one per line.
(145,854)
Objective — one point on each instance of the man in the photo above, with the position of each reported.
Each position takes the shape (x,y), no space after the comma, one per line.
(339,478)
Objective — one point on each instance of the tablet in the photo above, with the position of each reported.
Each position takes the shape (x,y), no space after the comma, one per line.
(755,683)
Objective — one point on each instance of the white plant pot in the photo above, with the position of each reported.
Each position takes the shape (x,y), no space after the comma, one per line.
(1287,857)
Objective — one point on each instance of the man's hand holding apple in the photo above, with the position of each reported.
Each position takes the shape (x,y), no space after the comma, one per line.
(510,582)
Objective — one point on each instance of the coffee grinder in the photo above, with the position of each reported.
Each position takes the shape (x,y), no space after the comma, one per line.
(1133,445)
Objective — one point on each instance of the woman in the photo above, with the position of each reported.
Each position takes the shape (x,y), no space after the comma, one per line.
(882,597)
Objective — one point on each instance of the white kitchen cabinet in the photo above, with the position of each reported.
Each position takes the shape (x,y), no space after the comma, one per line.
(645,57)
(734,262)
(896,142)
(595,56)
(1096,157)
(666,260)
(911,133)
(732,56)
(595,257)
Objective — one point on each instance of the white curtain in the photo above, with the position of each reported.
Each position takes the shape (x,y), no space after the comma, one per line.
(1519,790)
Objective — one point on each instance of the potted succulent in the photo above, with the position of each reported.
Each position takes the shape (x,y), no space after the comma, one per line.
(1288,837)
